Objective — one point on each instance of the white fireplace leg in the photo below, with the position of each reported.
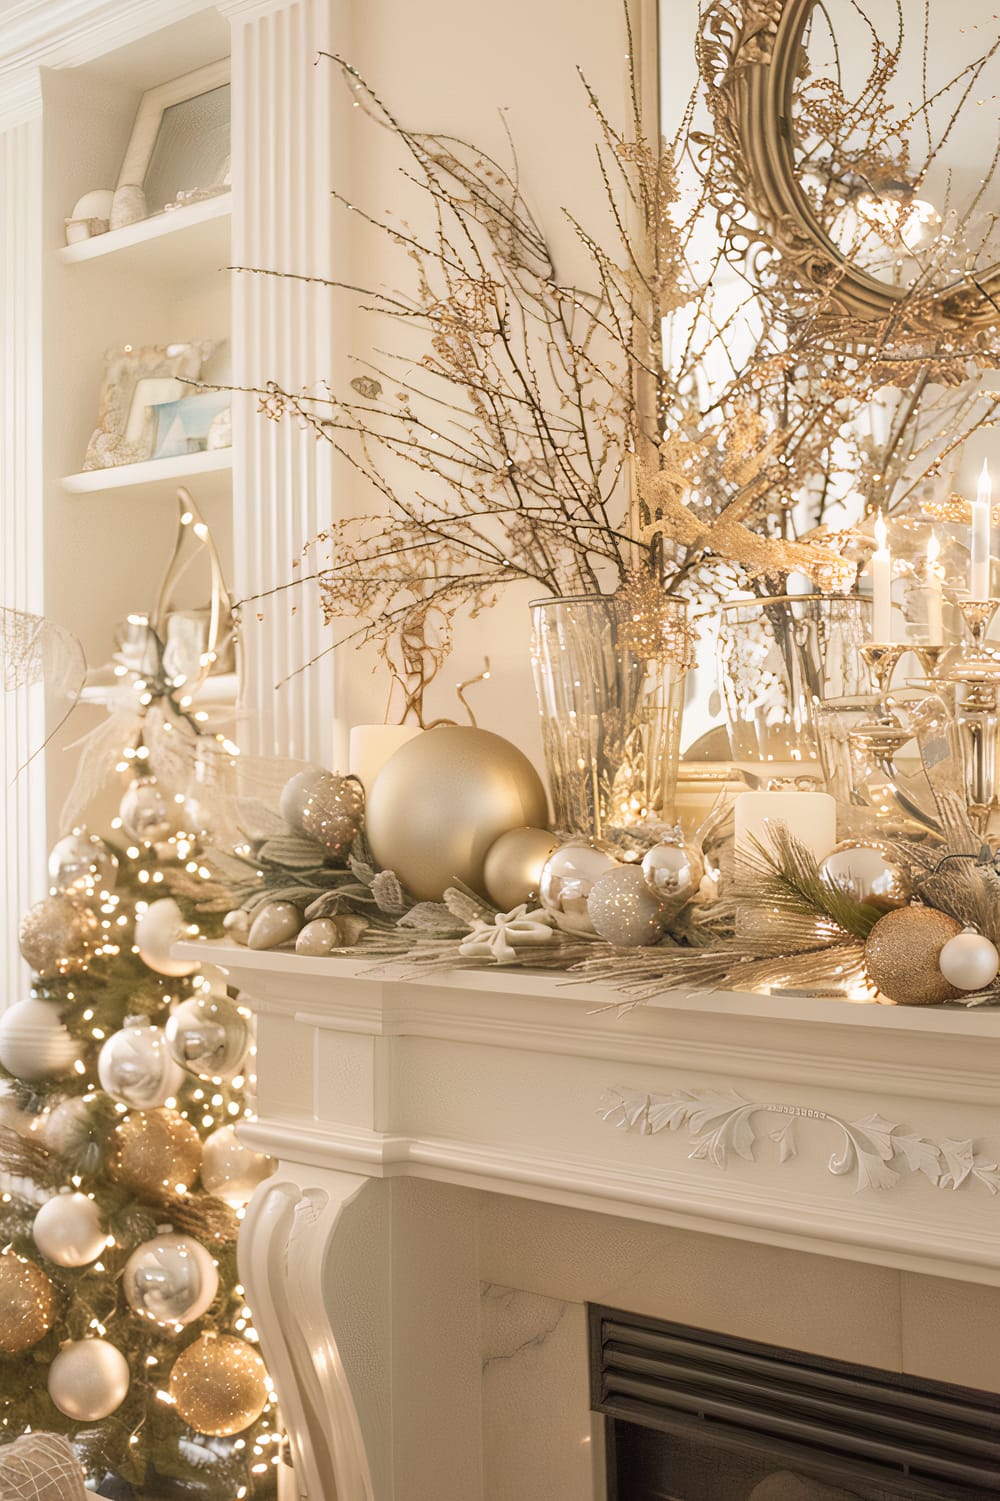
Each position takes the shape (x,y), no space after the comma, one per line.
(284,1247)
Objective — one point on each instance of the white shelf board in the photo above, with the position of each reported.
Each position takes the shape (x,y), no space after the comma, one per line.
(175,244)
(151,477)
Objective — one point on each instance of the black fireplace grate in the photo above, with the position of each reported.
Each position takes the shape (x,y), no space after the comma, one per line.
(942,1441)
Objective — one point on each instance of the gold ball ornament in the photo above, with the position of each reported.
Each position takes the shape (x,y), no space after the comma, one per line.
(27,1304)
(443,799)
(219,1385)
(902,956)
(155,1152)
(512,870)
(567,879)
(673,872)
(868,873)
(58,936)
(81,864)
(334,812)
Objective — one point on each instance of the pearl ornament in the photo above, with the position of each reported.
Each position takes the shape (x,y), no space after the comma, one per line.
(969,961)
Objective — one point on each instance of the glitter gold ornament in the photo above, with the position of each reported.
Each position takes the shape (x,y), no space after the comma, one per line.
(27,1304)
(81,864)
(567,880)
(89,1379)
(443,799)
(155,1152)
(512,870)
(219,1385)
(623,910)
(868,873)
(902,954)
(57,936)
(334,811)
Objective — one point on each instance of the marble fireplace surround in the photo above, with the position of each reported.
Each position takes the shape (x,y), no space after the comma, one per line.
(468,1159)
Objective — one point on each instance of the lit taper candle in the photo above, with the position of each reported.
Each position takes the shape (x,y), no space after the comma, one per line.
(979,573)
(881,569)
(935,601)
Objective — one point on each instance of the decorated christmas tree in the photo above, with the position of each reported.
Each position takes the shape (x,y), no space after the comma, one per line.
(122,1320)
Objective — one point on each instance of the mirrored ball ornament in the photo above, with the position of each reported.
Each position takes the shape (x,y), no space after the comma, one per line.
(970,961)
(567,880)
(88,1380)
(171,1279)
(67,1230)
(512,870)
(81,864)
(135,1066)
(146,812)
(673,872)
(623,910)
(58,936)
(334,812)
(230,1170)
(156,931)
(868,873)
(207,1036)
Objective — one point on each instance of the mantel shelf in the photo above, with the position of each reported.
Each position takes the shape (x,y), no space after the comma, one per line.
(175,245)
(155,477)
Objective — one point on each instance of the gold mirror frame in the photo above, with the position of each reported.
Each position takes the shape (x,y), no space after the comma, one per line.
(750,56)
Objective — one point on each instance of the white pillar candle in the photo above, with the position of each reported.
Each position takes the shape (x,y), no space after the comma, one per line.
(881,570)
(371,745)
(935,602)
(979,571)
(810,816)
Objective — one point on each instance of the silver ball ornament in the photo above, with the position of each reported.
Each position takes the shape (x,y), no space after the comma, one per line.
(146,812)
(443,799)
(567,879)
(81,864)
(34,1044)
(230,1170)
(673,872)
(969,961)
(88,1380)
(171,1279)
(57,936)
(868,873)
(207,1036)
(512,870)
(67,1230)
(135,1066)
(334,812)
(623,910)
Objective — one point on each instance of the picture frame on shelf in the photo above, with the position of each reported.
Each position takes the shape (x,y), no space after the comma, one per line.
(186,425)
(135,378)
(178,151)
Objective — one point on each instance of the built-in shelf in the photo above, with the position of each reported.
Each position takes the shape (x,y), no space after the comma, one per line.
(152,477)
(184,242)
(220,691)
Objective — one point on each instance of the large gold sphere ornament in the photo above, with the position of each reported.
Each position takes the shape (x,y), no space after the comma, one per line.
(27,1304)
(868,873)
(155,1152)
(512,869)
(57,936)
(219,1385)
(443,799)
(902,956)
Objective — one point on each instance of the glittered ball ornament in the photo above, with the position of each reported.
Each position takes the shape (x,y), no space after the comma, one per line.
(34,1044)
(27,1304)
(512,870)
(170,1279)
(58,935)
(567,880)
(88,1380)
(207,1036)
(156,931)
(672,872)
(81,864)
(147,814)
(867,873)
(969,961)
(68,1231)
(623,910)
(443,799)
(136,1068)
(902,955)
(230,1170)
(334,812)
(155,1152)
(218,1385)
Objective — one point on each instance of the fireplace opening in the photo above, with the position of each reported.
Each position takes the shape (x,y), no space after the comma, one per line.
(695,1416)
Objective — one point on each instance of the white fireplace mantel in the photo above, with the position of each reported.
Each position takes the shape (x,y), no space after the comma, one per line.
(863,1132)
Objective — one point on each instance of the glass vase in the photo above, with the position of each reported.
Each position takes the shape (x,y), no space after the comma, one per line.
(611,693)
(780,658)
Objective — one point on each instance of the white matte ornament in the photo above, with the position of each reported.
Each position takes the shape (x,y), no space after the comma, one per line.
(135,1066)
(231,1171)
(623,910)
(156,931)
(208,1036)
(567,880)
(67,1230)
(34,1044)
(88,1380)
(171,1279)
(969,961)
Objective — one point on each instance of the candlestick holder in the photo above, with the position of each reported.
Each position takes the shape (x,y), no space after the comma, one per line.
(929,658)
(877,740)
(978,615)
(974,676)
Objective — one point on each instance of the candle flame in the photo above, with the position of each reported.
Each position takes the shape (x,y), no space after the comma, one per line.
(933,549)
(984,493)
(881,535)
